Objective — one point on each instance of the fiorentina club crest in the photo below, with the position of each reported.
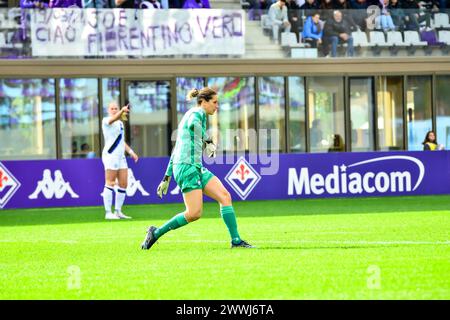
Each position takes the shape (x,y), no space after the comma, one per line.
(8,185)
(242,178)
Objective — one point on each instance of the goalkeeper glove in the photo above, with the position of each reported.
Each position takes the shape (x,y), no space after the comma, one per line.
(163,187)
(210,148)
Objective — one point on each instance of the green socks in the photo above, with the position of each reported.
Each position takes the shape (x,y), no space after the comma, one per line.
(179,220)
(176,222)
(230,220)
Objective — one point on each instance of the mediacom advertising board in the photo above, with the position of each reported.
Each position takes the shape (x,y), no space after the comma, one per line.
(79,182)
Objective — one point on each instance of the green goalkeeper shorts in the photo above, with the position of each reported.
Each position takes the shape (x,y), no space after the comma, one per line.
(190,177)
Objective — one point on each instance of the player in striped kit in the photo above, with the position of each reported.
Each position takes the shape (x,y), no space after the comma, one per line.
(193,179)
(114,161)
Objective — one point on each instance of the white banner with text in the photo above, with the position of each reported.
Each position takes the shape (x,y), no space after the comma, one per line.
(130,32)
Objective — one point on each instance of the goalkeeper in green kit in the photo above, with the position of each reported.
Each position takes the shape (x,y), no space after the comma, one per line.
(193,179)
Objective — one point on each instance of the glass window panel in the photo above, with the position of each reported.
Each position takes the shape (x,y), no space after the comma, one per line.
(326,114)
(390,113)
(27,119)
(234,123)
(184,85)
(79,118)
(271,113)
(149,116)
(418,106)
(297,111)
(110,92)
(361,114)
(443,110)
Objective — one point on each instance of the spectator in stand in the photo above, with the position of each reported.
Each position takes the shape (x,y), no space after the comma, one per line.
(414,15)
(326,9)
(338,144)
(341,5)
(312,30)
(175,4)
(316,134)
(278,18)
(384,20)
(164,4)
(344,7)
(359,15)
(294,17)
(256,8)
(310,6)
(196,4)
(150,4)
(265,4)
(431,5)
(65,4)
(337,30)
(34,4)
(86,151)
(99,4)
(128,4)
(430,143)
(397,14)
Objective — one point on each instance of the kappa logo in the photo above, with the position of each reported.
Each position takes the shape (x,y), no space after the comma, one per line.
(52,188)
(242,178)
(133,186)
(8,185)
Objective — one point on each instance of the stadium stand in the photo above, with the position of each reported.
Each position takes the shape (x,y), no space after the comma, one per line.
(370,41)
(430,18)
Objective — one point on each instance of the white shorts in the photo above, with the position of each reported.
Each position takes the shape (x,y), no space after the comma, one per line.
(113,162)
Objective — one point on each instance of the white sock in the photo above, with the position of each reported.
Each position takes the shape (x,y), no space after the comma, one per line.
(120,199)
(107,198)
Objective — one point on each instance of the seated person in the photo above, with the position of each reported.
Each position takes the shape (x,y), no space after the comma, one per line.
(128,4)
(338,144)
(278,18)
(384,21)
(196,4)
(65,4)
(34,4)
(415,14)
(397,14)
(294,17)
(86,151)
(310,6)
(312,30)
(150,4)
(359,15)
(430,143)
(337,30)
(326,9)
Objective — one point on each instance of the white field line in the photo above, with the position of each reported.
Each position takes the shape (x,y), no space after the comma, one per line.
(268,242)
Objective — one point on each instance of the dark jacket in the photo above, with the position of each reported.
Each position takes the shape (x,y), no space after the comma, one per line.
(307,6)
(293,10)
(334,28)
(396,10)
(410,4)
(326,10)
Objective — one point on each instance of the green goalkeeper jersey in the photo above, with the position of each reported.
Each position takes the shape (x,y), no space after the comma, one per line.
(190,136)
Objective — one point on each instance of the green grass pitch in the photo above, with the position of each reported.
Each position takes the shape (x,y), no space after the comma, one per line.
(370,248)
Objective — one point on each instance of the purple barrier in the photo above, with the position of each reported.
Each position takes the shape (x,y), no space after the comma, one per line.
(79,182)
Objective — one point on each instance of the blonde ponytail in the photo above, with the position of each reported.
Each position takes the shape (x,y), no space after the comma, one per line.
(204,94)
(192,94)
